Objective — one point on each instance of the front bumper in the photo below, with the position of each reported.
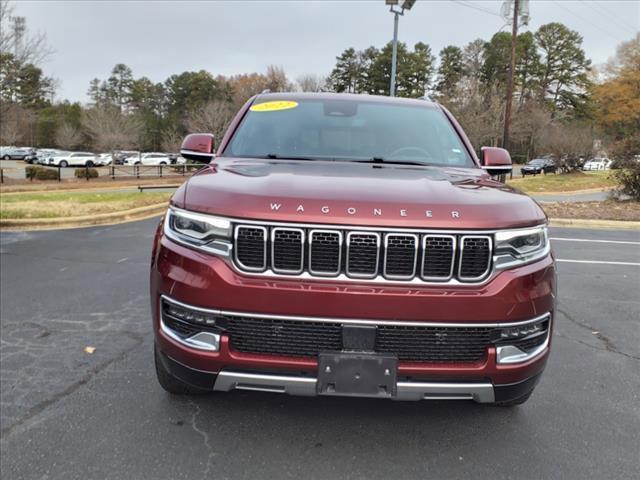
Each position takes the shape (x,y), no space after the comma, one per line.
(205,281)
(301,385)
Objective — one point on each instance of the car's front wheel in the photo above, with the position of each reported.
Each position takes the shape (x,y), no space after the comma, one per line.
(64,164)
(170,383)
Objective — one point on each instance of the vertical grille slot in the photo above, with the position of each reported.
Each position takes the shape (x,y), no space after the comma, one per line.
(438,257)
(325,252)
(251,247)
(363,254)
(475,257)
(400,256)
(287,255)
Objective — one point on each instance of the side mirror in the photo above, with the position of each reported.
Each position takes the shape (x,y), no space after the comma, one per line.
(198,147)
(496,161)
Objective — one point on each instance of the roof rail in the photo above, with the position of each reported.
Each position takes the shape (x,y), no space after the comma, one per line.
(266,90)
(425,98)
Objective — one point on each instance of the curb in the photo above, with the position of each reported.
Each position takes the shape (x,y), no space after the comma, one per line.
(138,213)
(573,192)
(584,223)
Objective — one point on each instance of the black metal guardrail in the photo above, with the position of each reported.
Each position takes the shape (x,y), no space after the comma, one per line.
(159,171)
(114,171)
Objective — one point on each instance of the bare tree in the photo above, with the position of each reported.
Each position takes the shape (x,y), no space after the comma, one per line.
(311,83)
(111,130)
(68,136)
(9,133)
(214,118)
(568,142)
(245,86)
(171,140)
(276,79)
(17,124)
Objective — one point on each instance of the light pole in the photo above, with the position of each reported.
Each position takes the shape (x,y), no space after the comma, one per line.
(406,5)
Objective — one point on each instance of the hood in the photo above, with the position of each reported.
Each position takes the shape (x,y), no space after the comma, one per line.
(357,194)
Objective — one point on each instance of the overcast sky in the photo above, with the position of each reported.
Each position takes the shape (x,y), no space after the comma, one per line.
(160,38)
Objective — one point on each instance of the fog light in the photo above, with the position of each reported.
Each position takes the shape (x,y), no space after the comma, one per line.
(520,332)
(520,343)
(185,314)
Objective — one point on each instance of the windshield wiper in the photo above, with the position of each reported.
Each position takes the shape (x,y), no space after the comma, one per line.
(273,156)
(391,162)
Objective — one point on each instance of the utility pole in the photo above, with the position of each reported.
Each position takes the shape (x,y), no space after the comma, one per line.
(405,6)
(510,79)
(394,54)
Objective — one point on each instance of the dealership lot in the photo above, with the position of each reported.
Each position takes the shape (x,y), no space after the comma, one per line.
(70,414)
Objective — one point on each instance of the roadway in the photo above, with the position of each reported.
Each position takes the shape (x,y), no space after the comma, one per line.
(67,414)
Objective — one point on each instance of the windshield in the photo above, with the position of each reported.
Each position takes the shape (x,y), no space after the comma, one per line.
(348,130)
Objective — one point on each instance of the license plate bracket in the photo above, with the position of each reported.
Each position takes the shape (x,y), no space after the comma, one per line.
(357,374)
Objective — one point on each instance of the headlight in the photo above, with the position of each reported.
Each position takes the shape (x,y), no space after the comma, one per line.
(205,232)
(518,247)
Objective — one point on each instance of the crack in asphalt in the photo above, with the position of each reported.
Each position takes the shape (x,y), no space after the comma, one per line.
(205,437)
(609,346)
(40,407)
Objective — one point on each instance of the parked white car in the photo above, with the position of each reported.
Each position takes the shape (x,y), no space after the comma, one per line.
(104,159)
(153,158)
(597,164)
(44,154)
(77,159)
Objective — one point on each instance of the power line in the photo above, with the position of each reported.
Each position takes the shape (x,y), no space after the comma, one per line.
(477,7)
(612,17)
(619,21)
(564,7)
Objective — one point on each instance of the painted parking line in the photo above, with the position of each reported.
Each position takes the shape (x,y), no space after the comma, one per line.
(622,242)
(598,262)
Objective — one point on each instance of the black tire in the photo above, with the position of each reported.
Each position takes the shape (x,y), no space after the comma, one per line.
(64,164)
(137,163)
(163,163)
(89,164)
(170,383)
(514,402)
(6,157)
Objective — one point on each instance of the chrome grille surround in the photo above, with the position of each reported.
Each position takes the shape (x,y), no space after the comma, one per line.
(361,241)
(237,235)
(328,252)
(461,256)
(275,243)
(437,278)
(319,244)
(388,238)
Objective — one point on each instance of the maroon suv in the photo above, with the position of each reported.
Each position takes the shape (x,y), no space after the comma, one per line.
(351,245)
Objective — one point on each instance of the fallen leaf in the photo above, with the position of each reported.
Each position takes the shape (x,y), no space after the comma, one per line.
(89,350)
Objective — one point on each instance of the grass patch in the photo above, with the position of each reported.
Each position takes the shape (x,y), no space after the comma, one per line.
(627,210)
(72,204)
(565,182)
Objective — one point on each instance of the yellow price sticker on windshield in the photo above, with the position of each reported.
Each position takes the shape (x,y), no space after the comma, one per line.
(274,106)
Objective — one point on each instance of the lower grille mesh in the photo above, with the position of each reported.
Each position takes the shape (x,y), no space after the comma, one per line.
(307,339)
(282,337)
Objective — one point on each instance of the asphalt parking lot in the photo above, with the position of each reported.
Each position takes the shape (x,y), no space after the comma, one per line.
(67,414)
